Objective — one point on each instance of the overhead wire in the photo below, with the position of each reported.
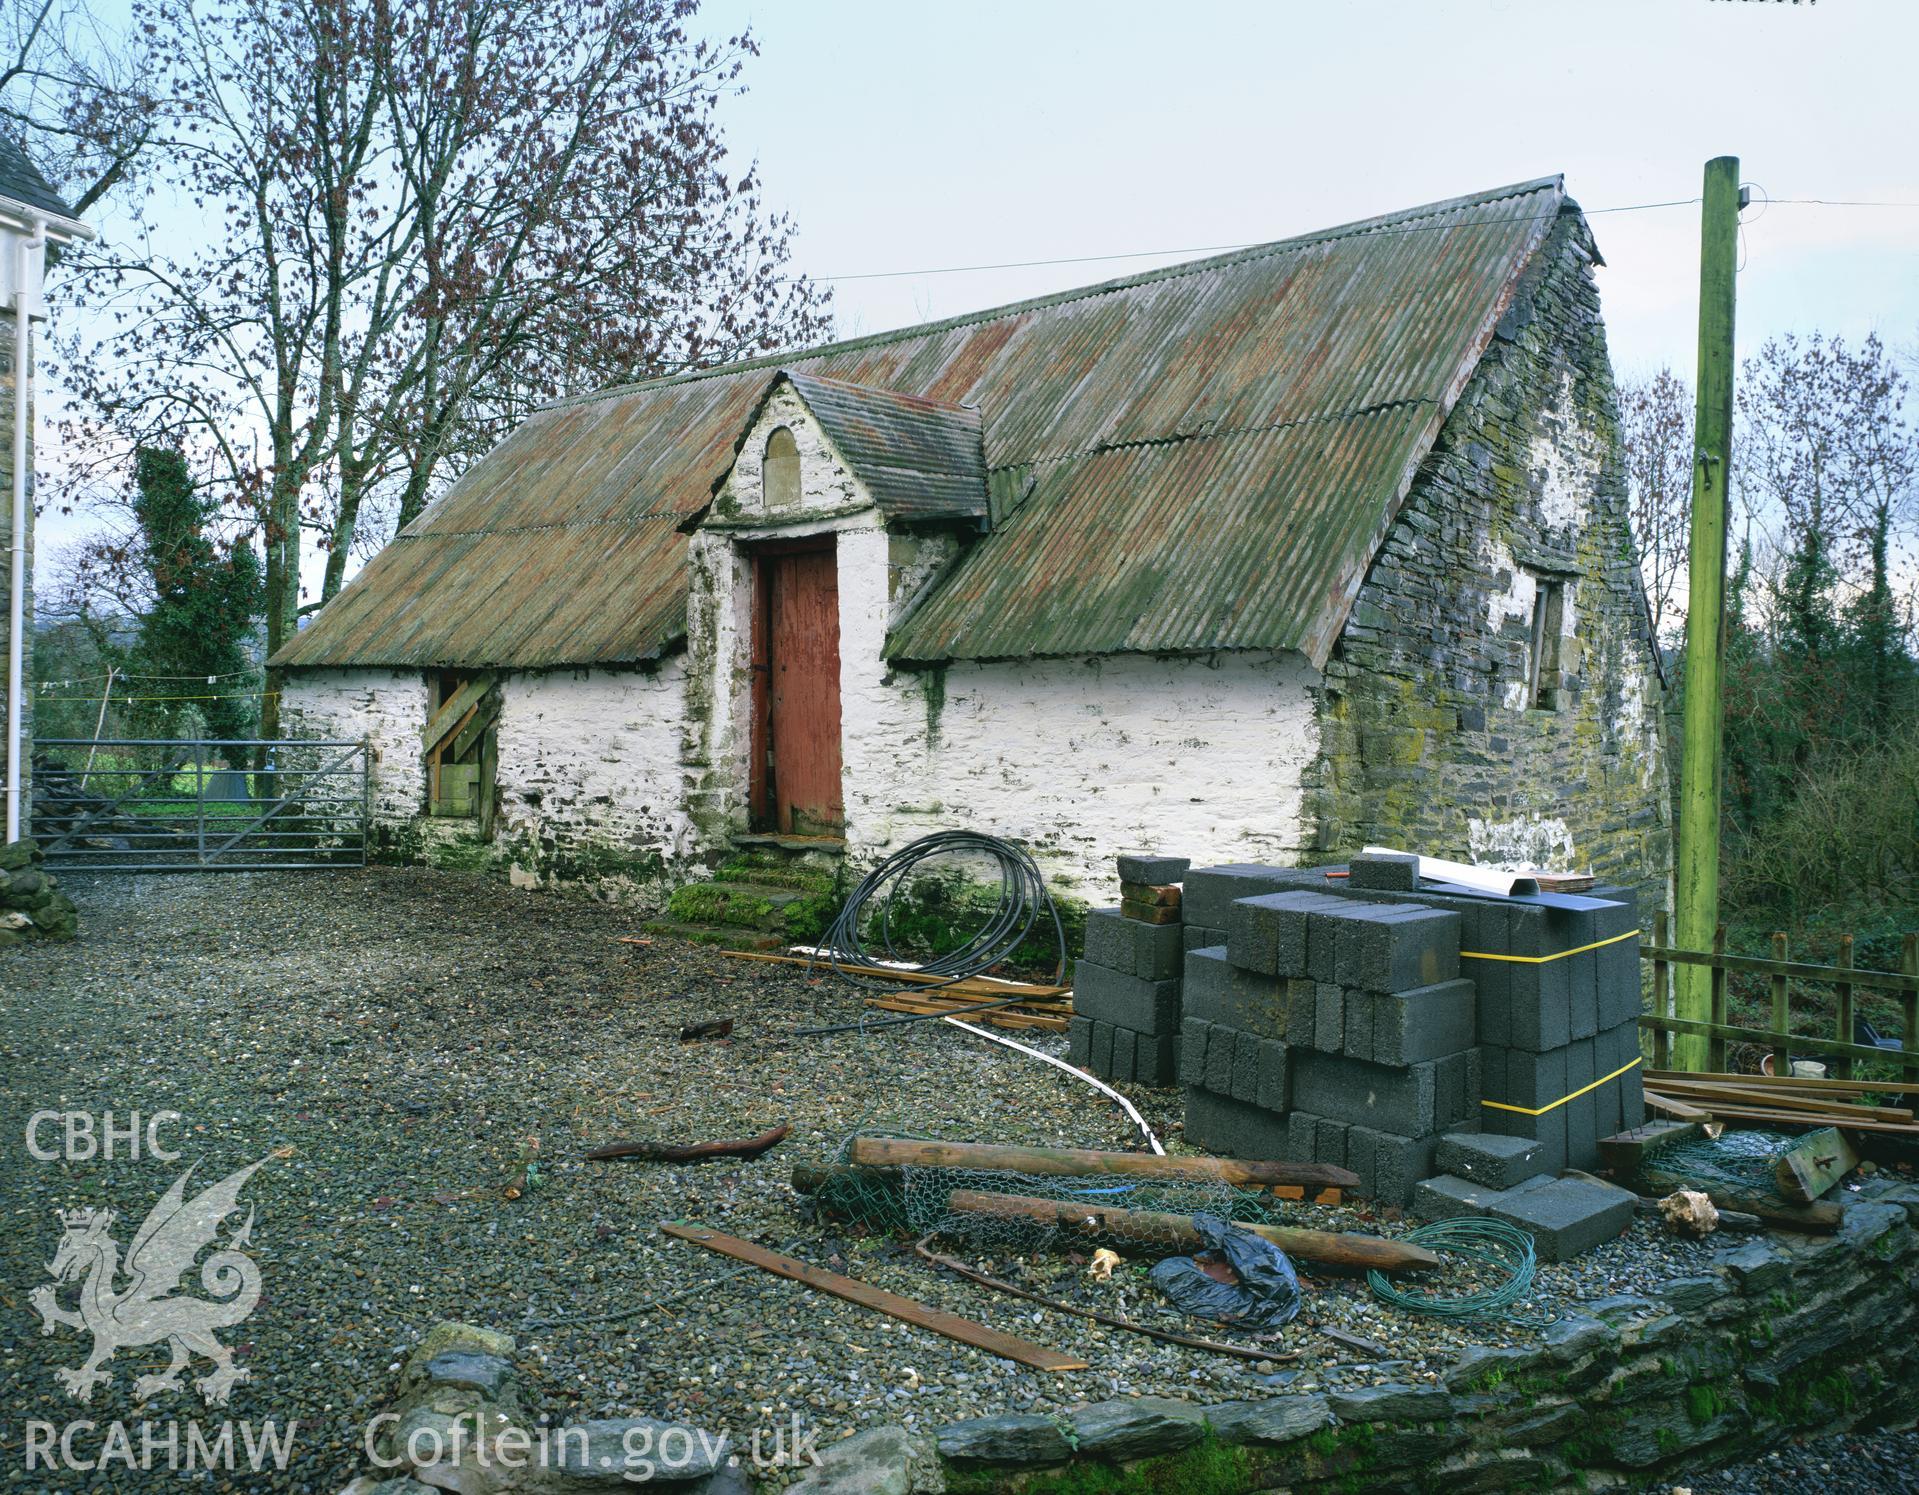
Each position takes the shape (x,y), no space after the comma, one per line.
(1391,229)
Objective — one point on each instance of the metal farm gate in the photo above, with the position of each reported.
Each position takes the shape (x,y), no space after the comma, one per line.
(162,805)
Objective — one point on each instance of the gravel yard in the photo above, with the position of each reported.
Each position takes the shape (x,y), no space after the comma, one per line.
(401,1037)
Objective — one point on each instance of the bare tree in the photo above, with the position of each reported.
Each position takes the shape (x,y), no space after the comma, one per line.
(1656,431)
(417,219)
(72,96)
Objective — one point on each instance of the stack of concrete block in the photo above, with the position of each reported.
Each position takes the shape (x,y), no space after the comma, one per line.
(1556,980)
(1126,988)
(1327,1029)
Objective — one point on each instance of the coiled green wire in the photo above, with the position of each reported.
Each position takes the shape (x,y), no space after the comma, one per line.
(1493,1242)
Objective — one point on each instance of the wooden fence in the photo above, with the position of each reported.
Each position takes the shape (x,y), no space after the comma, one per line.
(1846,980)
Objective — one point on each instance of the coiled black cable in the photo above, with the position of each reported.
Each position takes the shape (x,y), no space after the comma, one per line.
(1023,901)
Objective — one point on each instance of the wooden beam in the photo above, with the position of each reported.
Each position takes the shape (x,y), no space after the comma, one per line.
(1798,969)
(1906,1059)
(1741,1095)
(1074,1162)
(453,710)
(1676,1109)
(1801,1118)
(972,986)
(483,716)
(1175,1232)
(1625,1151)
(1789,1082)
(937,1320)
(1823,1218)
(1814,1164)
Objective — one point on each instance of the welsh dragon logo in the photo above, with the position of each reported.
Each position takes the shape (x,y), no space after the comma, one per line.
(124,1305)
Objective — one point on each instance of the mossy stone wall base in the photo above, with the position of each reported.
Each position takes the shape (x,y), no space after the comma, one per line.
(1785,1336)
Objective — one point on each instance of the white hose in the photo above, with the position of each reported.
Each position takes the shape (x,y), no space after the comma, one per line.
(1100,1085)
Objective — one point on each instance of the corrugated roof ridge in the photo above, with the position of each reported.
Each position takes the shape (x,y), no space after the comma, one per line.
(1355,229)
(904,397)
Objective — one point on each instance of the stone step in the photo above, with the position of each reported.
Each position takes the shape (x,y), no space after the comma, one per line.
(832,846)
(724,936)
(743,905)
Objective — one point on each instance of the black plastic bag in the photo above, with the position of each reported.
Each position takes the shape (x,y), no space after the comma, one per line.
(1266,1295)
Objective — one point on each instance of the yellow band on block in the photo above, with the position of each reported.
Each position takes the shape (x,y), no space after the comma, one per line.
(1540,960)
(1500,1105)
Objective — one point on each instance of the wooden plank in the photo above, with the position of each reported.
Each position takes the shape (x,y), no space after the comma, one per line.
(1813,1165)
(1679,1110)
(1623,1152)
(1803,1118)
(1661,995)
(1759,966)
(1906,1059)
(1166,1231)
(474,728)
(1298,1191)
(1003,1018)
(911,978)
(1160,895)
(453,711)
(937,1320)
(1740,1095)
(1790,1082)
(1079,1162)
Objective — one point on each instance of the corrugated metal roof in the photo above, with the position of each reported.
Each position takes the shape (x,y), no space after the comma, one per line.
(1215,451)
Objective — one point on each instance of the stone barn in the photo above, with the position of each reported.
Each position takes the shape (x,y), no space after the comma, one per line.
(1274,554)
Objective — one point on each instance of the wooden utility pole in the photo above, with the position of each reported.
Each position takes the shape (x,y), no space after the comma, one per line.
(1697,888)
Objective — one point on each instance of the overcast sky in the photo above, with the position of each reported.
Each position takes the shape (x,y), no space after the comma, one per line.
(910,137)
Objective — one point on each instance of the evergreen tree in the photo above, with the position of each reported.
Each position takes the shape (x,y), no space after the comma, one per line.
(206,597)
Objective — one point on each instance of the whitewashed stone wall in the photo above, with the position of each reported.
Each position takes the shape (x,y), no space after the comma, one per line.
(1085,758)
(385,707)
(590,780)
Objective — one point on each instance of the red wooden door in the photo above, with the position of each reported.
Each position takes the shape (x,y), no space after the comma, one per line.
(802,640)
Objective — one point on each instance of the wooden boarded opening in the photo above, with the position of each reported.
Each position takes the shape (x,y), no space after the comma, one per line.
(795,755)
(462,750)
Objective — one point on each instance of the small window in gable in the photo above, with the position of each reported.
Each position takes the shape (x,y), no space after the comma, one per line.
(1549,616)
(782,470)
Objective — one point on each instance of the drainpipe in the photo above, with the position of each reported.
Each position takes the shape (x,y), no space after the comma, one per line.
(17,547)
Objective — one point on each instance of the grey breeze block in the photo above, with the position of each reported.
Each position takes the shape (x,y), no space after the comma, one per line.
(1210,891)
(1490,1160)
(1116,1053)
(1267,932)
(1151,868)
(1567,1216)
(1218,991)
(1150,951)
(1564,1216)
(1223,1125)
(1128,1000)
(1421,1100)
